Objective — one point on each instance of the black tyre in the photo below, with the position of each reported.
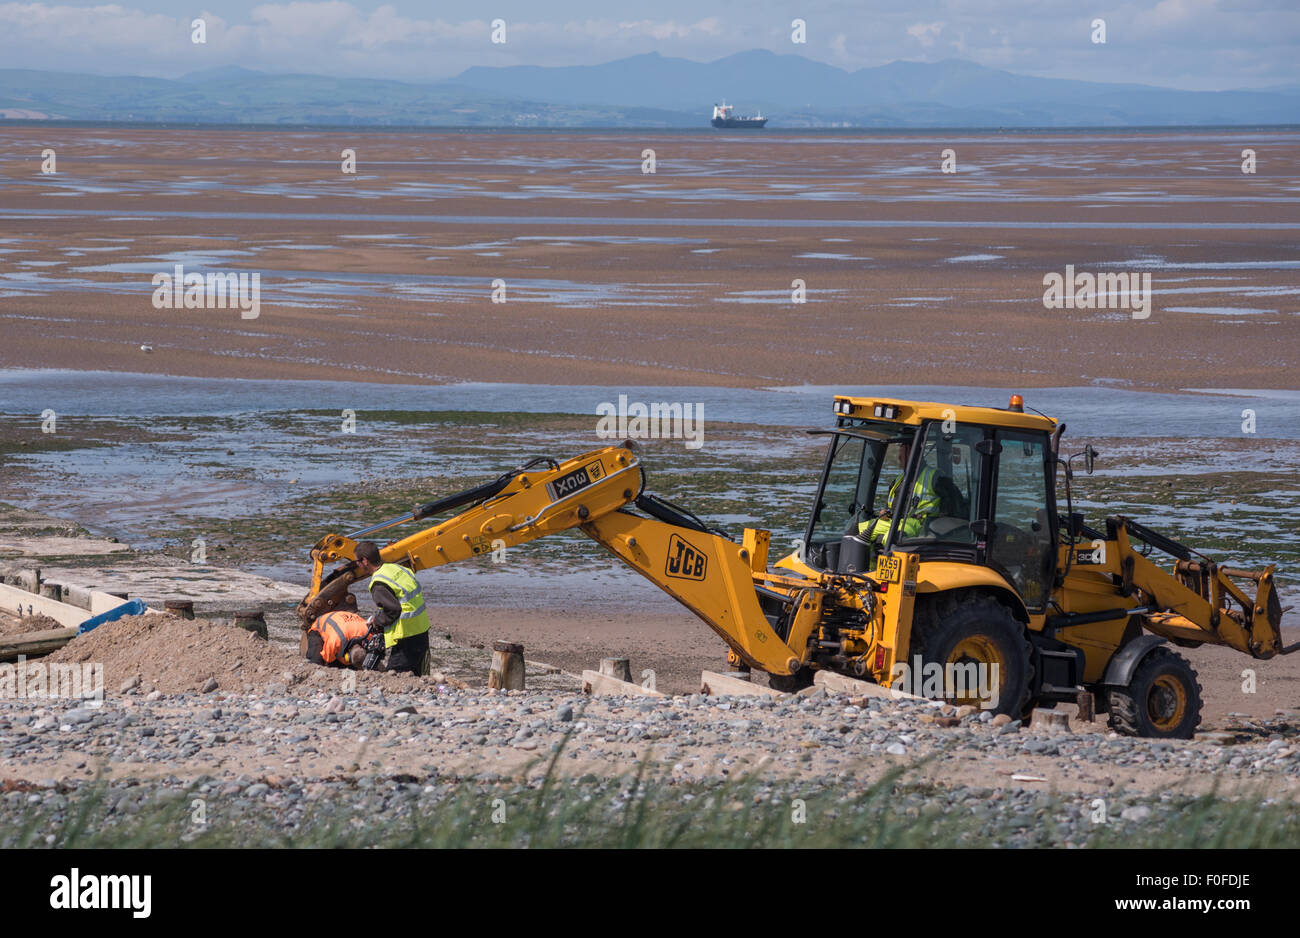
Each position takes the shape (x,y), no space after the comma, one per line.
(791,683)
(1162,701)
(960,629)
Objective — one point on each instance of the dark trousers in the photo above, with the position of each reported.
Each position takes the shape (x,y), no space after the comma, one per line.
(408,654)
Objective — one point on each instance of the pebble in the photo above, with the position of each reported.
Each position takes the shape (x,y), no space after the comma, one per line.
(817,736)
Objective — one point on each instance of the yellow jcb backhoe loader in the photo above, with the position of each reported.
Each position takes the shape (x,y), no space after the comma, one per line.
(935,549)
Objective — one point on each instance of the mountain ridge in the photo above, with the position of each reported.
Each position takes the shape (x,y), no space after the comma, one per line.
(648,90)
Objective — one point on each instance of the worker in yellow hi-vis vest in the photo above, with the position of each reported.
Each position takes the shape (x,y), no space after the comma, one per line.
(919,509)
(401,614)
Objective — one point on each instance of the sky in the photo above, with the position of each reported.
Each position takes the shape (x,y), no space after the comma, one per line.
(1190,44)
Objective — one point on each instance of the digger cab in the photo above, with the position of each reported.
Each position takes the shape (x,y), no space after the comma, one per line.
(970,485)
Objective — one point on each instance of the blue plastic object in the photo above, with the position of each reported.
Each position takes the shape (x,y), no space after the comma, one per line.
(134,607)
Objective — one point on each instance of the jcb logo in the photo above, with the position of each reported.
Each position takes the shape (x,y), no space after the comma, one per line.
(684,561)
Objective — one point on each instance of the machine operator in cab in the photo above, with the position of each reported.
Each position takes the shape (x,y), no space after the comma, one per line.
(924,504)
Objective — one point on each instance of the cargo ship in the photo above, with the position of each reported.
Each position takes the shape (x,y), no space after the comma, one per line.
(722,119)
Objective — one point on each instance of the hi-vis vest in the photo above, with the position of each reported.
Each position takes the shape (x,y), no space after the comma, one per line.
(337,630)
(923,507)
(402,582)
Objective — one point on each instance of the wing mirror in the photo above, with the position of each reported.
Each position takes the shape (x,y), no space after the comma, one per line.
(1089,460)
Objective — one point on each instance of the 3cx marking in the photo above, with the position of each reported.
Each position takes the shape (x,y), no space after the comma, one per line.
(684,561)
(571,482)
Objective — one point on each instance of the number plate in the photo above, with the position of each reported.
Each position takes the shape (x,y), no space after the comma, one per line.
(889,569)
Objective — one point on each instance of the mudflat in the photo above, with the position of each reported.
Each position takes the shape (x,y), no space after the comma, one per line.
(684,276)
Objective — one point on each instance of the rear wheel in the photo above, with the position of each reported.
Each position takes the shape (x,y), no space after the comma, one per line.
(973,651)
(1163,700)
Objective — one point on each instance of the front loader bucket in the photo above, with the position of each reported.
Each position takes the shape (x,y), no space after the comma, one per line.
(1201,601)
(1257,617)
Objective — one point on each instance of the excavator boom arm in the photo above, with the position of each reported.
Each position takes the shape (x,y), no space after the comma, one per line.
(706,572)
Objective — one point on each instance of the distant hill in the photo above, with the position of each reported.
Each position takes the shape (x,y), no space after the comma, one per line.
(246,97)
(643,91)
(793,89)
(221,73)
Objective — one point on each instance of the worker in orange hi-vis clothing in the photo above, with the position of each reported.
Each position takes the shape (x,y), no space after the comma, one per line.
(337,640)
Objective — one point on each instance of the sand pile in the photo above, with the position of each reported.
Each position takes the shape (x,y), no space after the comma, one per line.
(175,655)
(14,625)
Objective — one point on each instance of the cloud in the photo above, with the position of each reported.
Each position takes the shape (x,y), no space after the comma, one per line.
(1173,12)
(38,28)
(925,33)
(329,35)
(710,27)
(1177,43)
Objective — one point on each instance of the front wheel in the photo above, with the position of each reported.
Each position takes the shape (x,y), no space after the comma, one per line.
(1163,700)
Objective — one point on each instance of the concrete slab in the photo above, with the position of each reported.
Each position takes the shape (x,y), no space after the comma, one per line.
(839,684)
(602,685)
(12,546)
(23,603)
(206,585)
(718,685)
